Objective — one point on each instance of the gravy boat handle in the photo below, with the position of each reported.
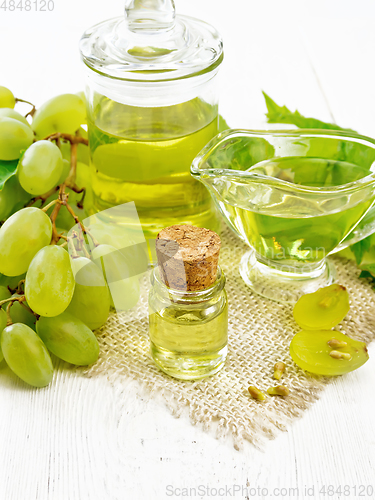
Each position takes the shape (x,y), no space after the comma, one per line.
(365,228)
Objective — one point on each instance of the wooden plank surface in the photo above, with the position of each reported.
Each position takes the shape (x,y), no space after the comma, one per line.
(84,439)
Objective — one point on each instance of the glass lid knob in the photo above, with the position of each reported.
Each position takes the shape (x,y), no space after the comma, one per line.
(150,15)
(151,43)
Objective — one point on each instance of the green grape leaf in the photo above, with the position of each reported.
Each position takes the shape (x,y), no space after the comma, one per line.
(366,274)
(223,125)
(281,114)
(7,170)
(368,271)
(360,248)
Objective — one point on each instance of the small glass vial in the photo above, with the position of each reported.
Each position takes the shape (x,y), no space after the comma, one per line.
(188,307)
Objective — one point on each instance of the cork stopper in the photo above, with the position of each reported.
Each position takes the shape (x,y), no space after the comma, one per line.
(188,257)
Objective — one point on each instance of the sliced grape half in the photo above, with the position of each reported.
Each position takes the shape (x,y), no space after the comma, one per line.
(311,352)
(322,309)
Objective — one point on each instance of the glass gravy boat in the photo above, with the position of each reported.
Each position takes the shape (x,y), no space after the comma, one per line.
(294,197)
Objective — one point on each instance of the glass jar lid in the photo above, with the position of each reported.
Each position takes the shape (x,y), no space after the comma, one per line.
(151,43)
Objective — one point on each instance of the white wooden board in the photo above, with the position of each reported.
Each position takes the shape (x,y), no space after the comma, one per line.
(81,438)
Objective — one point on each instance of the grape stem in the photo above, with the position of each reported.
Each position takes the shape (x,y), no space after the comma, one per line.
(10,302)
(75,217)
(11,299)
(63,201)
(9,319)
(33,110)
(53,202)
(43,197)
(72,248)
(73,139)
(28,309)
(84,231)
(80,202)
(19,288)
(94,240)
(60,201)
(81,243)
(70,181)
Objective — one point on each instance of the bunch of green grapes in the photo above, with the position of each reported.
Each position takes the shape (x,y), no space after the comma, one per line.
(50,301)
(37,284)
(33,319)
(317,348)
(31,166)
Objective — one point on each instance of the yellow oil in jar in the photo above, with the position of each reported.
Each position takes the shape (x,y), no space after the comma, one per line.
(190,341)
(144,155)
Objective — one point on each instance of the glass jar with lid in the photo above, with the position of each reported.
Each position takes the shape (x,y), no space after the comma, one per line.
(152,106)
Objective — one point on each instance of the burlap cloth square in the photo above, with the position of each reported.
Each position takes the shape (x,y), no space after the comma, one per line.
(260,332)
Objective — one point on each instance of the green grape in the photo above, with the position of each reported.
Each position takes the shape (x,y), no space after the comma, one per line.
(3,320)
(64,113)
(3,324)
(19,314)
(7,99)
(12,197)
(322,309)
(131,245)
(40,168)
(4,294)
(83,152)
(124,292)
(311,352)
(11,281)
(26,355)
(12,113)
(82,177)
(6,201)
(91,299)
(65,172)
(21,237)
(110,234)
(82,181)
(49,285)
(14,138)
(69,339)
